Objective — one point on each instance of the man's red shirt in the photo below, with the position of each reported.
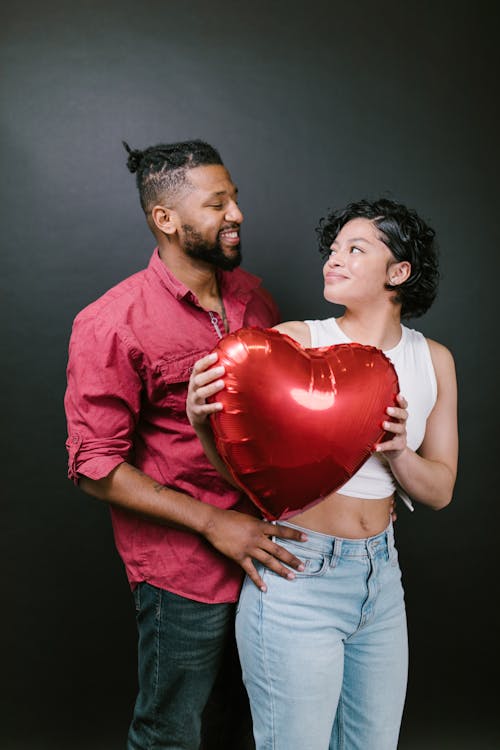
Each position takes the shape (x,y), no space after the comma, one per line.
(131,354)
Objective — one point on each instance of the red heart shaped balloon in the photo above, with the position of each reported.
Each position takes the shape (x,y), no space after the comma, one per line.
(298,423)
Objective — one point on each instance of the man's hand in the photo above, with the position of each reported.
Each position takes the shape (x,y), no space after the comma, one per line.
(245,539)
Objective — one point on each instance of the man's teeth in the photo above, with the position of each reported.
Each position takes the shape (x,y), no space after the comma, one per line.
(232,235)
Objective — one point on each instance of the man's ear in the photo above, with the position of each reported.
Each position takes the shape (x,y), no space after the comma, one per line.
(164,219)
(398,272)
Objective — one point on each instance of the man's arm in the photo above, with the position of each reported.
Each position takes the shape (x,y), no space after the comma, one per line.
(103,404)
(240,537)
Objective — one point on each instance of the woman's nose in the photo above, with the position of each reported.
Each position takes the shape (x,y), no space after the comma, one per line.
(335,258)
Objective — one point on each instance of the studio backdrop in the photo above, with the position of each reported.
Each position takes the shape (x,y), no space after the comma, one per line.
(311,105)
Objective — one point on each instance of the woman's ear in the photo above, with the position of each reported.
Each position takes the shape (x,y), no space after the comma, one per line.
(399,272)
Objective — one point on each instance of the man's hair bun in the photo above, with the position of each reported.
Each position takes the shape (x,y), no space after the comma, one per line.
(135,158)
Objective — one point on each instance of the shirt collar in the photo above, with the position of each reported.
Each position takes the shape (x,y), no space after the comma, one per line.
(237,284)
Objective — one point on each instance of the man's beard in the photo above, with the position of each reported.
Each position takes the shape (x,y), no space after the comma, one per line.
(211,252)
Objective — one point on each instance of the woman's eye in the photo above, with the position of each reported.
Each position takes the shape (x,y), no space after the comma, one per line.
(355,249)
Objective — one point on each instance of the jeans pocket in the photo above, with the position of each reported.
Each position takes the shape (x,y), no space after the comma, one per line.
(315,565)
(315,561)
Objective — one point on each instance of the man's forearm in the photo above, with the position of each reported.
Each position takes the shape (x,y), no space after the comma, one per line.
(130,489)
(238,536)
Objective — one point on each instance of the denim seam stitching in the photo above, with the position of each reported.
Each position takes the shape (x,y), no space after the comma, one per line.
(268,674)
(157,670)
(340,721)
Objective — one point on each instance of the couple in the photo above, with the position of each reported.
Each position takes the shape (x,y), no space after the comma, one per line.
(321,619)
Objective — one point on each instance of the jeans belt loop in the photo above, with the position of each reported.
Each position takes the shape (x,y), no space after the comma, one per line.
(337,548)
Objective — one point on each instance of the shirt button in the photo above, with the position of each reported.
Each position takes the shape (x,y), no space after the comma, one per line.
(74,439)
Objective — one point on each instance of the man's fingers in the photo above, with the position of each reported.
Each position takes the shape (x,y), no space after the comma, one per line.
(270,561)
(280,553)
(285,532)
(251,572)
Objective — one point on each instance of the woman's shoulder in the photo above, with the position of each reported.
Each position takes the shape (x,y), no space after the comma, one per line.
(439,350)
(439,353)
(297,330)
(442,358)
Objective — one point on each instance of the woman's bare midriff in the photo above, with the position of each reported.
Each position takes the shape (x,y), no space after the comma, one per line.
(346,517)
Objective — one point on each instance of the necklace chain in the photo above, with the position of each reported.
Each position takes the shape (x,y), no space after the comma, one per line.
(223,317)
(223,314)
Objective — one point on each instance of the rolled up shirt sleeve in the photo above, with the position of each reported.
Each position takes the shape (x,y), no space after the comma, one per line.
(102,400)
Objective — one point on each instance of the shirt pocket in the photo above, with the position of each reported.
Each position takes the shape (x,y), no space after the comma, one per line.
(174,374)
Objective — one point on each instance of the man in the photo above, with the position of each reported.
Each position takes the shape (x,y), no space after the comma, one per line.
(184,534)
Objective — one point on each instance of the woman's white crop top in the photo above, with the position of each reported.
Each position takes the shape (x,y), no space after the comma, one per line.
(417,380)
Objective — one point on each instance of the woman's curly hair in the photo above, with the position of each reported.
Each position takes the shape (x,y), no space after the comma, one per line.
(406,235)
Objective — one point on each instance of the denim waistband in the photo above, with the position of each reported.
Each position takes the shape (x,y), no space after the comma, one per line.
(340,547)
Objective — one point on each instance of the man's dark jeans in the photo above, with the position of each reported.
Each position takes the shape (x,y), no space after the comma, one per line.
(188,667)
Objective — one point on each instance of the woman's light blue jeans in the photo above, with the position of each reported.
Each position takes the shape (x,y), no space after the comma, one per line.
(325,656)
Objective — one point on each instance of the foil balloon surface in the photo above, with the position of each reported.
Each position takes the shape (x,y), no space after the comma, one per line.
(298,423)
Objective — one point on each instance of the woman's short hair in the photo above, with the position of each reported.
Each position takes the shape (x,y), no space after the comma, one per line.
(406,235)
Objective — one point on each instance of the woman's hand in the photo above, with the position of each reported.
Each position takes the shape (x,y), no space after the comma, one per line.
(394,447)
(205,381)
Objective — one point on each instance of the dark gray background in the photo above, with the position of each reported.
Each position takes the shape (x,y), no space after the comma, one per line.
(311,105)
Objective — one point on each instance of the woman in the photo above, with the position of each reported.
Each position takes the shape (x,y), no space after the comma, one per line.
(324,655)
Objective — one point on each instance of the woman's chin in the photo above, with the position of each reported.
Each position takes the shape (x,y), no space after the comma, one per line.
(335,299)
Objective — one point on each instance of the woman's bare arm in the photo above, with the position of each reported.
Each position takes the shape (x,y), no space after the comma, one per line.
(428,475)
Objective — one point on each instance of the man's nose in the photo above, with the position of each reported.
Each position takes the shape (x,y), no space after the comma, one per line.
(234,213)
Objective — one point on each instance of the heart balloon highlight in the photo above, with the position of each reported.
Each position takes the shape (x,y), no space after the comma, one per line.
(298,423)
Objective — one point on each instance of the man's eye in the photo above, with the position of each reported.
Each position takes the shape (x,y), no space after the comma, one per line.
(218,206)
